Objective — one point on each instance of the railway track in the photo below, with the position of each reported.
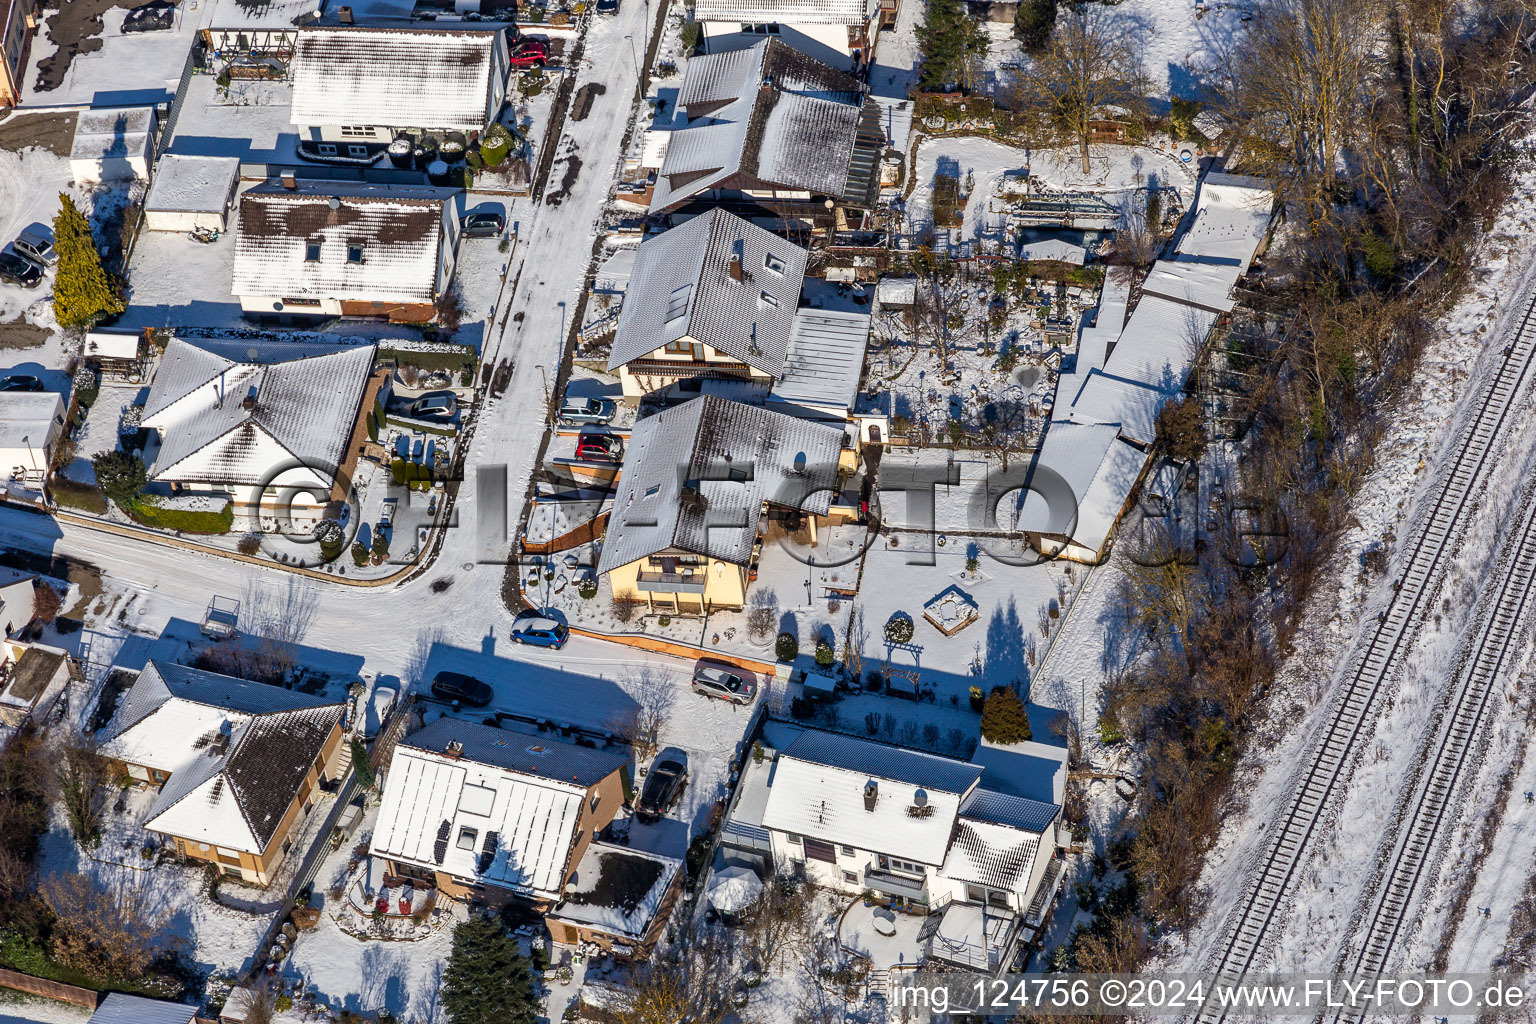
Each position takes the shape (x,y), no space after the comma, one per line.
(1248,927)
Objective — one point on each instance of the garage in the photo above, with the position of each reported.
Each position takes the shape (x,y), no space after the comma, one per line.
(192,193)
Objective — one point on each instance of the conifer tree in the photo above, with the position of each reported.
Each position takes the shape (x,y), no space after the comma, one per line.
(951,42)
(488,980)
(1003,718)
(82,292)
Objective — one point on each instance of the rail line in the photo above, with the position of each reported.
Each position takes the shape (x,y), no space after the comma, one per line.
(1248,926)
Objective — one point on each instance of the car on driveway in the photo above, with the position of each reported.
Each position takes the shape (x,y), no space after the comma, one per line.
(599,448)
(484,224)
(664,784)
(581,412)
(17,269)
(439,405)
(380,703)
(724,682)
(529,53)
(152,17)
(535,629)
(607,6)
(456,687)
(35,245)
(20,382)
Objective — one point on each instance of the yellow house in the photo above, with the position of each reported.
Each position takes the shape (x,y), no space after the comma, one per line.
(697,483)
(714,297)
(239,763)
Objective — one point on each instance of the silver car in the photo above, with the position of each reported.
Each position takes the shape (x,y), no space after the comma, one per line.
(36,246)
(725,682)
(586,411)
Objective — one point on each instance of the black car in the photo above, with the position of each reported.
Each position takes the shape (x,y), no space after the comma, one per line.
(152,17)
(20,382)
(17,269)
(663,786)
(466,690)
(607,6)
(484,224)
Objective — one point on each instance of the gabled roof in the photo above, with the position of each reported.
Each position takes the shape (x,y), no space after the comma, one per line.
(682,285)
(1018,812)
(304,409)
(399,78)
(237,751)
(769,116)
(489,811)
(695,478)
(786,12)
(118,1008)
(882,760)
(397,228)
(991,855)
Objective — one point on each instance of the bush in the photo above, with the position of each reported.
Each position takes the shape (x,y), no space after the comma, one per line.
(146,510)
(800,709)
(249,544)
(331,539)
(380,546)
(83,497)
(787,647)
(824,653)
(1004,719)
(495,146)
(360,763)
(692,33)
(120,475)
(1033,21)
(899,628)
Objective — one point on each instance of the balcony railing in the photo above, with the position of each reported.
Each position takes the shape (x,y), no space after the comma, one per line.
(671,582)
(893,884)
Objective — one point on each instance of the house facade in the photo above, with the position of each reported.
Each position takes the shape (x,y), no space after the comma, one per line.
(238,764)
(32,679)
(309,251)
(16,22)
(31,423)
(839,33)
(494,814)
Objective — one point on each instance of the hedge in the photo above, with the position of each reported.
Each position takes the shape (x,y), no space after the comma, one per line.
(405,472)
(73,494)
(146,511)
(421,426)
(459,358)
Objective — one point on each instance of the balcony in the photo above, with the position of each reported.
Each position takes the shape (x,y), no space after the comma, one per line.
(671,582)
(893,884)
(976,937)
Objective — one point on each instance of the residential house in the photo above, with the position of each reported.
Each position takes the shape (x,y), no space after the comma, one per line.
(32,679)
(17,21)
(700,483)
(494,814)
(974,842)
(117,1008)
(239,764)
(269,427)
(17,600)
(31,423)
(770,128)
(840,33)
(308,251)
(619,899)
(356,87)
(113,144)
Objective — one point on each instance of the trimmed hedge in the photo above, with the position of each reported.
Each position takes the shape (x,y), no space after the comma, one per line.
(73,494)
(459,358)
(144,509)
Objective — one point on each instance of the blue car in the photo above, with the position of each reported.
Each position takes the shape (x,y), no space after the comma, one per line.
(533,628)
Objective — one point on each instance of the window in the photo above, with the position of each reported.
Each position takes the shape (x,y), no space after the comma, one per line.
(354,254)
(760,30)
(682,346)
(467,837)
(906,866)
(301,302)
(849,876)
(592,807)
(816,849)
(360,131)
(773,263)
(312,252)
(791,837)
(847,850)
(768,300)
(358,151)
(326,148)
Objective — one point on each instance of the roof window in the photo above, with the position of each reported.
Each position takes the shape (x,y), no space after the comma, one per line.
(354,254)
(312,252)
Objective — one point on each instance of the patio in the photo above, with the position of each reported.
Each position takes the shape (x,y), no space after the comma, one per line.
(885,937)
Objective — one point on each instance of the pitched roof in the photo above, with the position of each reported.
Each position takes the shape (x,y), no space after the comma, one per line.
(237,751)
(489,812)
(695,477)
(825,359)
(1079,483)
(787,12)
(769,114)
(29,414)
(991,855)
(400,78)
(398,228)
(118,1008)
(1018,812)
(304,409)
(682,285)
(930,771)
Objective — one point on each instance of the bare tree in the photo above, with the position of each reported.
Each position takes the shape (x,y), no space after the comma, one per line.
(762,614)
(640,724)
(1091,69)
(858,637)
(107,929)
(781,926)
(82,776)
(692,982)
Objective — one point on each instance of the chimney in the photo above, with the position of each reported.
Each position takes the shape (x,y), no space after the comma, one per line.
(345,15)
(871,794)
(455,749)
(334,208)
(735,266)
(289,178)
(248,403)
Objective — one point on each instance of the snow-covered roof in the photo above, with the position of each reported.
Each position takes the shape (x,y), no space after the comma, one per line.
(376,243)
(192,184)
(392,77)
(992,855)
(617,890)
(695,478)
(112,344)
(118,1008)
(113,132)
(225,419)
(819,789)
(1079,483)
(768,116)
(1056,249)
(237,751)
(259,14)
(29,417)
(719,280)
(785,12)
(825,359)
(1033,770)
(895,120)
(503,809)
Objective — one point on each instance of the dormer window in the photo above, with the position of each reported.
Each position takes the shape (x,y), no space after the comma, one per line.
(773,263)
(354,254)
(768,300)
(467,837)
(312,252)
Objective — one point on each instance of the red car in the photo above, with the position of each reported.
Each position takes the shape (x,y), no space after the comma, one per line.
(599,448)
(529,53)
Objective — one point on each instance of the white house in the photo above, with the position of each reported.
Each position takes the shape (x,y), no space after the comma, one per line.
(191,192)
(32,679)
(259,425)
(31,423)
(841,33)
(113,144)
(356,87)
(17,603)
(975,842)
(311,250)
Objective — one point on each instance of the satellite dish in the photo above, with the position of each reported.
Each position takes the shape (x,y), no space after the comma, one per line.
(253,353)
(335,202)
(920,798)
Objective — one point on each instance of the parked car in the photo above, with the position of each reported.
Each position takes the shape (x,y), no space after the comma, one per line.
(152,17)
(20,382)
(607,6)
(599,448)
(587,411)
(17,269)
(535,629)
(439,405)
(35,244)
(380,703)
(466,690)
(725,682)
(387,513)
(529,53)
(484,224)
(663,785)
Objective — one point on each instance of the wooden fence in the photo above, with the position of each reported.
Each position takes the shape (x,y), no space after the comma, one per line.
(50,989)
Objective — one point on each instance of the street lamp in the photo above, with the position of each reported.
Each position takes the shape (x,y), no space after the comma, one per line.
(30,453)
(634,55)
